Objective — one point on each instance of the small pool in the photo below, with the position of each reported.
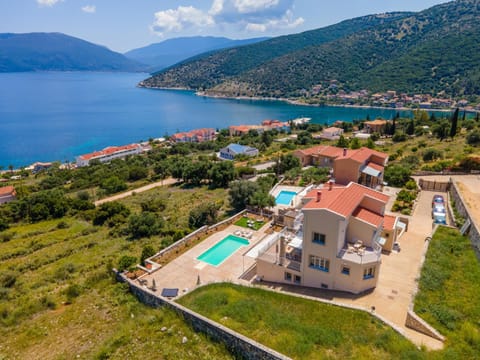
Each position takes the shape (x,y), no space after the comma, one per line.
(222,250)
(285,197)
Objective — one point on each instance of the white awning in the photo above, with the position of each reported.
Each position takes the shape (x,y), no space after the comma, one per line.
(371,171)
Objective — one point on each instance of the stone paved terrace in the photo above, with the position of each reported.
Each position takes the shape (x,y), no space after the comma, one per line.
(183,272)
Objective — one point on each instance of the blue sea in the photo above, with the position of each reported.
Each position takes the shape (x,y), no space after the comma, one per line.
(55,116)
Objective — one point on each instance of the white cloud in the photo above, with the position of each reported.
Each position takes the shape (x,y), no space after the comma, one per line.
(48,2)
(250,15)
(89,9)
(175,20)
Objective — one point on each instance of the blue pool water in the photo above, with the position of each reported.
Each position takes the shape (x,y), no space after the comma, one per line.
(285,197)
(222,250)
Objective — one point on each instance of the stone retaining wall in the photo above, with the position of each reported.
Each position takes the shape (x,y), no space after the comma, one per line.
(473,233)
(240,346)
(416,323)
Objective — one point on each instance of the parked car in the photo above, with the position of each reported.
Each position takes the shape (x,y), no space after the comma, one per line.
(439,215)
(438,200)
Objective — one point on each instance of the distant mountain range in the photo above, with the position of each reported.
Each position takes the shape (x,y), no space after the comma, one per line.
(433,51)
(169,52)
(59,52)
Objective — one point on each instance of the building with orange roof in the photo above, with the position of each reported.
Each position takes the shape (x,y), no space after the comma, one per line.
(332,133)
(109,153)
(7,194)
(365,166)
(267,125)
(196,135)
(338,245)
(377,126)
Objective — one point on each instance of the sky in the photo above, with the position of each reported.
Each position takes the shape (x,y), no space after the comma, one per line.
(123,25)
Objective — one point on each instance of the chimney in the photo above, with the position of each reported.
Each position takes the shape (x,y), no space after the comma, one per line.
(344,151)
(319,196)
(330,184)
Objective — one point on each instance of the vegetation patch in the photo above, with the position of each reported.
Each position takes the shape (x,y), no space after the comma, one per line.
(299,328)
(449,293)
(250,223)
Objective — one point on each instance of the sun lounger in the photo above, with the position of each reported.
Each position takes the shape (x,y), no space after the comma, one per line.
(169,293)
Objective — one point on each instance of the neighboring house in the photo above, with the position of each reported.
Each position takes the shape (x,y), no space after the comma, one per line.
(40,166)
(267,125)
(197,135)
(108,154)
(364,166)
(7,194)
(337,245)
(377,126)
(332,133)
(232,150)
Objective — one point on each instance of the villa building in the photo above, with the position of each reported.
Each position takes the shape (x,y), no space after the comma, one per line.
(334,242)
(232,150)
(7,194)
(331,133)
(267,125)
(375,126)
(197,135)
(364,166)
(108,154)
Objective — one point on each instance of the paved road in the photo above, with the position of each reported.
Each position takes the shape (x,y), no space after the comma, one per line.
(168,181)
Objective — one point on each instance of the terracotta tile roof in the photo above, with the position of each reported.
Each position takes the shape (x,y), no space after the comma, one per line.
(332,129)
(368,216)
(363,154)
(376,122)
(332,151)
(108,151)
(375,166)
(389,222)
(7,190)
(343,201)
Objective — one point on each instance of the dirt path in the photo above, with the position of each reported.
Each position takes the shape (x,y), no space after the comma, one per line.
(165,182)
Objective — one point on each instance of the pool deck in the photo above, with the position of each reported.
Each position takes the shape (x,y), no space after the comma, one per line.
(183,272)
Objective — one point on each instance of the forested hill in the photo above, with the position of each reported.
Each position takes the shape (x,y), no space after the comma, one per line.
(208,70)
(58,52)
(432,51)
(172,51)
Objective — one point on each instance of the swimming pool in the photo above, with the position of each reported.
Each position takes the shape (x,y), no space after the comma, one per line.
(222,250)
(285,197)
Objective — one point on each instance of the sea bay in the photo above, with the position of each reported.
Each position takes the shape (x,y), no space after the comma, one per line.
(55,116)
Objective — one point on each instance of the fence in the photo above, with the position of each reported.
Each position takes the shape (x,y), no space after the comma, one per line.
(433,185)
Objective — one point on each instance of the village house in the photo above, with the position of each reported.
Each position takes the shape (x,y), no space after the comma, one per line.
(108,154)
(375,126)
(331,133)
(232,150)
(197,136)
(364,166)
(7,194)
(336,244)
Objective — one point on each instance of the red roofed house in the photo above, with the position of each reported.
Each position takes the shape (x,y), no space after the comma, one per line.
(364,166)
(109,153)
(7,194)
(338,245)
(197,135)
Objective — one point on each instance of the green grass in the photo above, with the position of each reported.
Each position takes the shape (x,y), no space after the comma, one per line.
(449,293)
(58,299)
(256,224)
(300,328)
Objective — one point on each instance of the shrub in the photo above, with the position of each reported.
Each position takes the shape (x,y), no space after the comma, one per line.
(8,279)
(432,154)
(126,262)
(62,225)
(147,251)
(473,138)
(73,291)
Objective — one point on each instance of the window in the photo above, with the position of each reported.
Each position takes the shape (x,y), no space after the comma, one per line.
(318,238)
(297,279)
(345,270)
(369,273)
(319,263)
(288,276)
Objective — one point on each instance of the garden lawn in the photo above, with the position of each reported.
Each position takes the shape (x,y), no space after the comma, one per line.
(244,223)
(300,328)
(449,293)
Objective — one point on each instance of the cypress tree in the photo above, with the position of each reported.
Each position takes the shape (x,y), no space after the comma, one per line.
(454,124)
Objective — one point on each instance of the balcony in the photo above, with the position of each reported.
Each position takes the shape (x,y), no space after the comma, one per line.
(360,254)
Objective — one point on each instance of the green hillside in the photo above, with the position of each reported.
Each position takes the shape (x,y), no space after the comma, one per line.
(208,70)
(427,52)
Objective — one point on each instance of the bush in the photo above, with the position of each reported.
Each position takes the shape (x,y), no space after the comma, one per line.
(8,279)
(204,214)
(126,262)
(473,138)
(72,292)
(145,224)
(432,154)
(399,137)
(108,210)
(147,251)
(397,175)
